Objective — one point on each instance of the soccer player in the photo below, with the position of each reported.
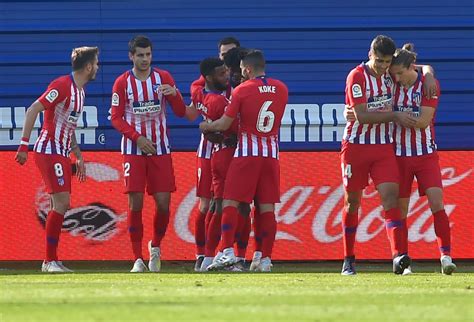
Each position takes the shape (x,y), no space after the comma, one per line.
(211,103)
(139,100)
(367,150)
(415,149)
(203,174)
(254,171)
(63,103)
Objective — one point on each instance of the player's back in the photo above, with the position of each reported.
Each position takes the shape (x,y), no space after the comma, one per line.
(263,101)
(260,104)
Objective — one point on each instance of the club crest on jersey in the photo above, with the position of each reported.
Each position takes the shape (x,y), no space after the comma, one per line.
(416,97)
(388,81)
(156,88)
(115,99)
(356,91)
(52,95)
(145,107)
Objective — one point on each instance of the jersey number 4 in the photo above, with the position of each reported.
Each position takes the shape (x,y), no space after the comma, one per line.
(266,118)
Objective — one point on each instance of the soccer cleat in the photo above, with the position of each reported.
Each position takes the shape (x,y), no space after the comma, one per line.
(265,265)
(257,257)
(64,267)
(348,267)
(139,266)
(240,265)
(447,265)
(400,263)
(205,263)
(407,271)
(154,264)
(227,259)
(197,265)
(54,267)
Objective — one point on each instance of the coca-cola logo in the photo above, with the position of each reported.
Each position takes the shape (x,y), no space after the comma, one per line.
(94,221)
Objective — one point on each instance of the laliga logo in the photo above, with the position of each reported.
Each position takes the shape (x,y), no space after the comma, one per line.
(95,221)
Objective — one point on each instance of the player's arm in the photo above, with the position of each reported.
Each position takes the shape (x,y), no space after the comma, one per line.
(191,112)
(30,119)
(430,87)
(425,118)
(219,125)
(80,166)
(225,121)
(365,117)
(173,96)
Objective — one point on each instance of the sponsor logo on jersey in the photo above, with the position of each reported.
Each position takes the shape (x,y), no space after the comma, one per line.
(115,99)
(146,107)
(381,103)
(52,95)
(356,91)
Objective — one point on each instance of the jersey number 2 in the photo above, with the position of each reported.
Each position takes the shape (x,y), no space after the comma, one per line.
(266,118)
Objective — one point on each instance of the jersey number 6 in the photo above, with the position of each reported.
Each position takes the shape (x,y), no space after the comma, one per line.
(266,118)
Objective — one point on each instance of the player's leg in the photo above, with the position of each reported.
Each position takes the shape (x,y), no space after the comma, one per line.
(214,235)
(350,221)
(242,235)
(160,183)
(267,194)
(56,173)
(134,167)
(355,161)
(406,171)
(203,191)
(430,184)
(257,229)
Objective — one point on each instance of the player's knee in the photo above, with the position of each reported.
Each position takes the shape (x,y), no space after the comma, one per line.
(352,204)
(436,205)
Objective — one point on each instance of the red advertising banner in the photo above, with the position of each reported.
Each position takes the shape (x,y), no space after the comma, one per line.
(309,215)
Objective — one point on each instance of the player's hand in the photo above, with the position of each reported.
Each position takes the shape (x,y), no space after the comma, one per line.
(405,119)
(430,88)
(21,157)
(80,170)
(167,89)
(146,145)
(349,114)
(204,127)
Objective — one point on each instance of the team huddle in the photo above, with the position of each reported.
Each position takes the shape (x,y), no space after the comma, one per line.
(389,136)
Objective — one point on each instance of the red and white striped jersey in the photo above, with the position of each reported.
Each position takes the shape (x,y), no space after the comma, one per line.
(416,141)
(376,92)
(63,102)
(260,104)
(139,109)
(205,147)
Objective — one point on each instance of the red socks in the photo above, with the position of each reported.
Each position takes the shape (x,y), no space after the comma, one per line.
(404,229)
(393,225)
(443,231)
(257,229)
(229,226)
(269,229)
(200,232)
(135,229)
(160,224)
(243,236)
(54,223)
(213,235)
(349,230)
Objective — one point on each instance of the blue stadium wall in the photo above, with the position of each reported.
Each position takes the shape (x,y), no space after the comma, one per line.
(311,45)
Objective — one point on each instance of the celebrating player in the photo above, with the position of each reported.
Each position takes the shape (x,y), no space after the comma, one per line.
(203,173)
(63,104)
(139,100)
(367,150)
(415,149)
(254,171)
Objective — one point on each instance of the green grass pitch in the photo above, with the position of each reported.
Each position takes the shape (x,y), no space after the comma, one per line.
(293,292)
